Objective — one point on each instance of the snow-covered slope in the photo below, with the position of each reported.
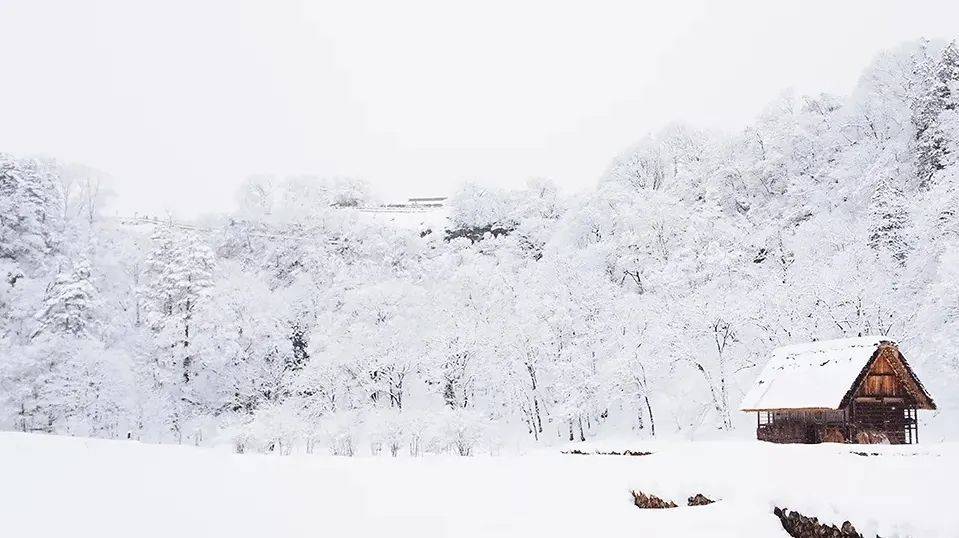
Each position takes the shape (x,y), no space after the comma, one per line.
(58,486)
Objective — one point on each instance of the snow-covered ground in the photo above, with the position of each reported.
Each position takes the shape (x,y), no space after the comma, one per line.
(58,486)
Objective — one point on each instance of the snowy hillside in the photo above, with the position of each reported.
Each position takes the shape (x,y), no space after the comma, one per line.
(642,308)
(57,486)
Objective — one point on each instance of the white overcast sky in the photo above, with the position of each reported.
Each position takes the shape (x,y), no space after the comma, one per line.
(179,100)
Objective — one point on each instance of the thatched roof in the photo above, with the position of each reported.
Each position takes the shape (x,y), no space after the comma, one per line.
(825,375)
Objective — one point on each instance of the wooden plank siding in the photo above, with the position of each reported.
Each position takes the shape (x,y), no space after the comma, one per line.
(882,380)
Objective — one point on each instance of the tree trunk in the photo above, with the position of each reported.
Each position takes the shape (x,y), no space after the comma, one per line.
(649,409)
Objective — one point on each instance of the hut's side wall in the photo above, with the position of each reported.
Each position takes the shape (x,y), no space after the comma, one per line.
(880,422)
(802,426)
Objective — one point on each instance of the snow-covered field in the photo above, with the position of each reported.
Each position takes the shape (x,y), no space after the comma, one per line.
(59,486)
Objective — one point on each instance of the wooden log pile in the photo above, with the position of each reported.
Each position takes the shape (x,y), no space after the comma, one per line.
(699,500)
(831,434)
(579,452)
(643,500)
(872,437)
(800,526)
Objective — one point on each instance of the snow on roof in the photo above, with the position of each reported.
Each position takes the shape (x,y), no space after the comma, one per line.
(813,375)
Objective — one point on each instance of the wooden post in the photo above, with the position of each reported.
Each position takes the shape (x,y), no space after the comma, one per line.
(915,411)
(908,412)
(852,420)
(845,424)
(910,423)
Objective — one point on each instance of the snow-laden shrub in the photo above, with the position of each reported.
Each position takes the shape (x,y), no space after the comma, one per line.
(340,431)
(273,429)
(386,430)
(200,430)
(462,431)
(416,426)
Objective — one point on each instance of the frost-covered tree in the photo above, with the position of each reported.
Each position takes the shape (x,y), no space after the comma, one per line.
(180,269)
(68,305)
(888,220)
(935,116)
(31,208)
(349,192)
(179,273)
(257,196)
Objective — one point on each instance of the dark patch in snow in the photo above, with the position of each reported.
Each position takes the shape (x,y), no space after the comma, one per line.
(12,278)
(897,454)
(643,500)
(699,500)
(478,233)
(578,452)
(800,526)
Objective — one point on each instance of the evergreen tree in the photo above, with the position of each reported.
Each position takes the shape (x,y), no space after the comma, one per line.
(31,203)
(948,220)
(888,221)
(934,143)
(160,289)
(298,339)
(67,307)
(181,274)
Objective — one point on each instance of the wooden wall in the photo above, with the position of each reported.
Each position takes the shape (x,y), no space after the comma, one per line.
(800,425)
(882,381)
(882,403)
(889,419)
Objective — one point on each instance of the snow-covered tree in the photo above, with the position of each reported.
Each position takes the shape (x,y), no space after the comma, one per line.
(68,306)
(888,220)
(31,209)
(935,116)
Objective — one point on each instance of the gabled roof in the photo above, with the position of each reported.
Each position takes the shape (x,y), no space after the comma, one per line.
(823,375)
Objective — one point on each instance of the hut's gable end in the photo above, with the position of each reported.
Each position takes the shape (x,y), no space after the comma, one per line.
(882,380)
(888,376)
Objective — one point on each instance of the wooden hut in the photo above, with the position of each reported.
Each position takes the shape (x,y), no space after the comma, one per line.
(854,390)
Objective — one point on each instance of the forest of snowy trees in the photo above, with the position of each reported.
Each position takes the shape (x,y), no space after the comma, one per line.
(643,307)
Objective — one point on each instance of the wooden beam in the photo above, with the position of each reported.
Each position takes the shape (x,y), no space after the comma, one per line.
(880,399)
